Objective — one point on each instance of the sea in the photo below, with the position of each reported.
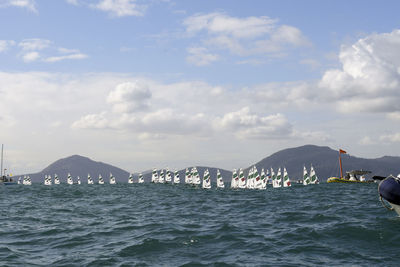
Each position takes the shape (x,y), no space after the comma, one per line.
(178,225)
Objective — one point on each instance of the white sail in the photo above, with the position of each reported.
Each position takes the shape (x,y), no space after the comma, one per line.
(168,177)
(206,180)
(89,179)
(19,180)
(195,177)
(258,182)
(154,176)
(101,180)
(313,176)
(235,179)
(26,180)
(47,180)
(188,176)
(140,180)
(273,177)
(112,179)
(177,180)
(220,181)
(249,177)
(242,179)
(286,180)
(130,179)
(161,179)
(306,177)
(78,180)
(278,179)
(263,179)
(56,179)
(69,179)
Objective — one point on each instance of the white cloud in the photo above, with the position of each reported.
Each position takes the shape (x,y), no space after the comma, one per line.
(60,58)
(30,56)
(28,4)
(92,121)
(390,138)
(394,115)
(34,44)
(129,97)
(369,80)
(200,56)
(121,8)
(73,2)
(5,44)
(249,36)
(249,125)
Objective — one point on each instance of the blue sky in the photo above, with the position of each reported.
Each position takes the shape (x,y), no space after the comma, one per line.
(144,84)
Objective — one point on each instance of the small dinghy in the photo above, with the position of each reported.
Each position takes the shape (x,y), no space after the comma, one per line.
(78,180)
(140,179)
(69,179)
(89,179)
(112,179)
(220,181)
(56,179)
(389,189)
(176,177)
(101,180)
(130,179)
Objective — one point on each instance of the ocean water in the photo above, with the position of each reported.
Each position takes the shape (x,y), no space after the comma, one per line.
(167,225)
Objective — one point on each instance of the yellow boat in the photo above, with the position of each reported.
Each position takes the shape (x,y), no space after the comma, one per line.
(351,176)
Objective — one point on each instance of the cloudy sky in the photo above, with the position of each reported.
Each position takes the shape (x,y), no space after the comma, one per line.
(167,83)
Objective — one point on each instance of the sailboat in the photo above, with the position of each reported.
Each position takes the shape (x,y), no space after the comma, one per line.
(47,180)
(140,180)
(195,177)
(19,180)
(273,178)
(306,177)
(101,180)
(27,180)
(314,177)
(258,183)
(235,179)
(286,180)
(154,176)
(177,180)
(249,179)
(5,180)
(188,176)
(206,180)
(112,179)
(263,179)
(220,181)
(89,179)
(78,180)
(130,179)
(56,179)
(69,179)
(278,179)
(242,179)
(168,177)
(161,180)
(351,176)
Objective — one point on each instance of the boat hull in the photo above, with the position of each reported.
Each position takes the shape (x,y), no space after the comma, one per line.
(389,189)
(342,180)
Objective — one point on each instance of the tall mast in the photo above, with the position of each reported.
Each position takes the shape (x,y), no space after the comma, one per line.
(1,172)
(340,163)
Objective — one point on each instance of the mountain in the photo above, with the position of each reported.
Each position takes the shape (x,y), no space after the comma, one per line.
(326,162)
(323,158)
(79,166)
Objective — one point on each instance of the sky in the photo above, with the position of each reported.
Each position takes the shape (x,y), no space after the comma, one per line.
(166,83)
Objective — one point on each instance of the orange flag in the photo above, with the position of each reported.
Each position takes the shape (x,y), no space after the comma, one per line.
(342,151)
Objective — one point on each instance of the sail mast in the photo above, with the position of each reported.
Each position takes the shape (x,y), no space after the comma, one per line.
(1,173)
(340,162)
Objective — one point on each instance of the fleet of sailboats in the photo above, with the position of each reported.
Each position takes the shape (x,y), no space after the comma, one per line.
(254,180)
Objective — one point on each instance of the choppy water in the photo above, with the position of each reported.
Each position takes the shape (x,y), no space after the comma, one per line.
(153,224)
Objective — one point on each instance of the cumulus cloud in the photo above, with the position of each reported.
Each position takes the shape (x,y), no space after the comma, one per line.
(247,36)
(369,79)
(28,4)
(92,121)
(129,97)
(249,125)
(121,8)
(60,58)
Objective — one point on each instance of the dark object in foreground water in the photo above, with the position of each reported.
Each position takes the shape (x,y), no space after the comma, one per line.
(378,178)
(389,189)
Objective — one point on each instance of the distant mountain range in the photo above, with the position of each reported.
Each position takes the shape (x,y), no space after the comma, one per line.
(324,160)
